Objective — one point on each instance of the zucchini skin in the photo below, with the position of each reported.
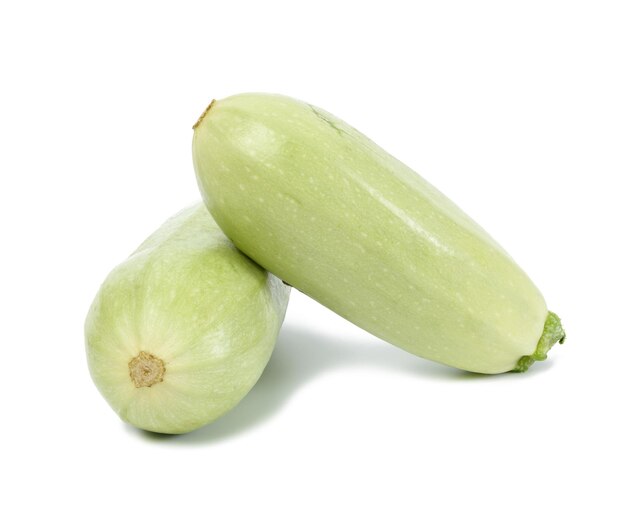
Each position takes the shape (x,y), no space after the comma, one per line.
(188,298)
(327,210)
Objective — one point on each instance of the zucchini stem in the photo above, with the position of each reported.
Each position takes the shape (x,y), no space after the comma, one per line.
(552,333)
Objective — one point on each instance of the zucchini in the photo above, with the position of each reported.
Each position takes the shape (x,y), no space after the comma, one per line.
(179,332)
(324,208)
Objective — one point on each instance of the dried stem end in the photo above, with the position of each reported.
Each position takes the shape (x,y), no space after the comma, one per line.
(206,111)
(146,369)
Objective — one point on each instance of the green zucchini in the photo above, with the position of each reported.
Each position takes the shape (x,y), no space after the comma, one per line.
(321,206)
(180,332)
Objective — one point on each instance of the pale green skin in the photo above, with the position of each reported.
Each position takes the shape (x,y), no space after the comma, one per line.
(328,211)
(190,298)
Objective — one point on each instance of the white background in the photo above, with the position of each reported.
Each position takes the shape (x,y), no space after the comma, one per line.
(516,110)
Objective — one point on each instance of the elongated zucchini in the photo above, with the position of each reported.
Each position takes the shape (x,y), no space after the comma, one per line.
(324,208)
(179,332)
